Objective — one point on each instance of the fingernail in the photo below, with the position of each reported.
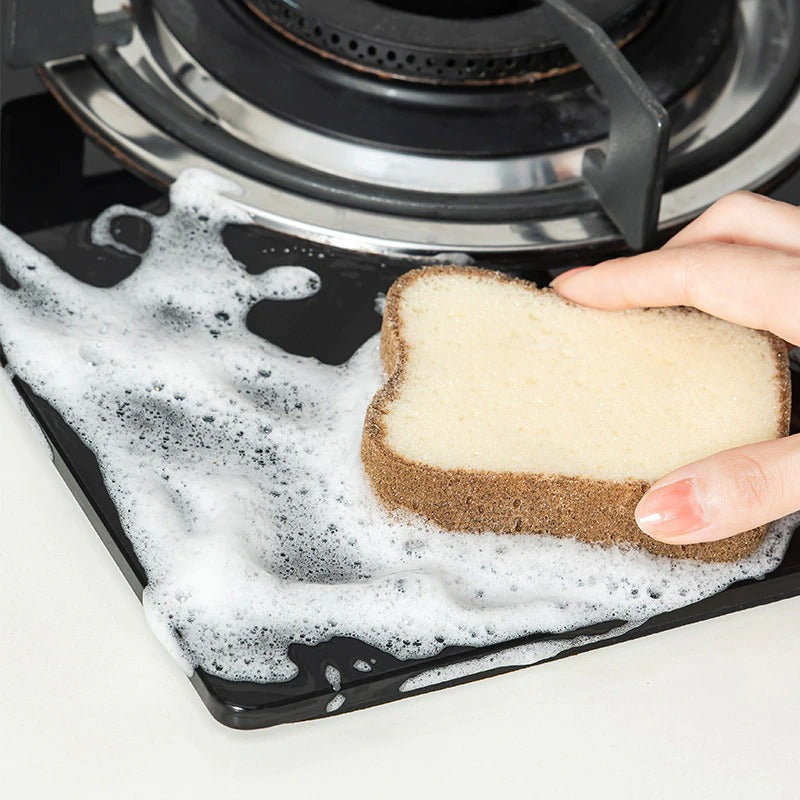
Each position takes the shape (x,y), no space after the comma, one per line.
(671,511)
(568,274)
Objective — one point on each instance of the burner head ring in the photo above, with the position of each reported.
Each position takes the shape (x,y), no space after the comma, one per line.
(513,45)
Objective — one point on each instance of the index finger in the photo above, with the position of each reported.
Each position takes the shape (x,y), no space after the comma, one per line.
(751,286)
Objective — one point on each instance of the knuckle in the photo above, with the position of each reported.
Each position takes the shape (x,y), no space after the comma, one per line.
(698,260)
(733,204)
(751,485)
(697,252)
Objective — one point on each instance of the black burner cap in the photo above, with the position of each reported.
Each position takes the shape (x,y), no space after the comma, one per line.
(469,42)
(457,9)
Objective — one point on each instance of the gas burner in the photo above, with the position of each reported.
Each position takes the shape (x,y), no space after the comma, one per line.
(445,41)
(342,156)
(271,73)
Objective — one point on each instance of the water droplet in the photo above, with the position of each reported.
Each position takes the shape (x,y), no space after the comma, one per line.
(92,352)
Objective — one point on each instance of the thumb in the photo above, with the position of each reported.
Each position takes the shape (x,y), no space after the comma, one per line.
(728,493)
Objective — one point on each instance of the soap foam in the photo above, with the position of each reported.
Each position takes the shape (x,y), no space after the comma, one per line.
(335,704)
(15,399)
(235,468)
(334,677)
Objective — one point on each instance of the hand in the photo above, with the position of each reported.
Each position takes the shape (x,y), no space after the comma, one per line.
(739,261)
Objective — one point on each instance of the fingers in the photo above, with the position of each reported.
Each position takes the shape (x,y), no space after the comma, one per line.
(747,219)
(739,261)
(728,493)
(750,286)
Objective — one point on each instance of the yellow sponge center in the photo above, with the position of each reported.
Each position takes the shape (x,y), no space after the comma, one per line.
(503,378)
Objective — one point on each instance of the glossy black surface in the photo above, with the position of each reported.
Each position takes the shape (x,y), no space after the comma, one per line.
(457,9)
(51,183)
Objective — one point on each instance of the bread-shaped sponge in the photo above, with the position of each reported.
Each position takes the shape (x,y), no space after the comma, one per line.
(510,409)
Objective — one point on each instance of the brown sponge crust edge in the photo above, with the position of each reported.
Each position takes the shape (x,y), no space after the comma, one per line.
(509,502)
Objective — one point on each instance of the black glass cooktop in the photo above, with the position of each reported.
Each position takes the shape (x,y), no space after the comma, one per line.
(52,183)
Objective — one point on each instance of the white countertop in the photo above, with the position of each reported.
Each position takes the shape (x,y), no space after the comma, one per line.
(92,706)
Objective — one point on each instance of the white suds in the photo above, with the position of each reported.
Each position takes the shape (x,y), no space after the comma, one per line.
(290,283)
(334,677)
(362,666)
(511,657)
(161,625)
(236,471)
(15,398)
(335,704)
(380,303)
(452,259)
